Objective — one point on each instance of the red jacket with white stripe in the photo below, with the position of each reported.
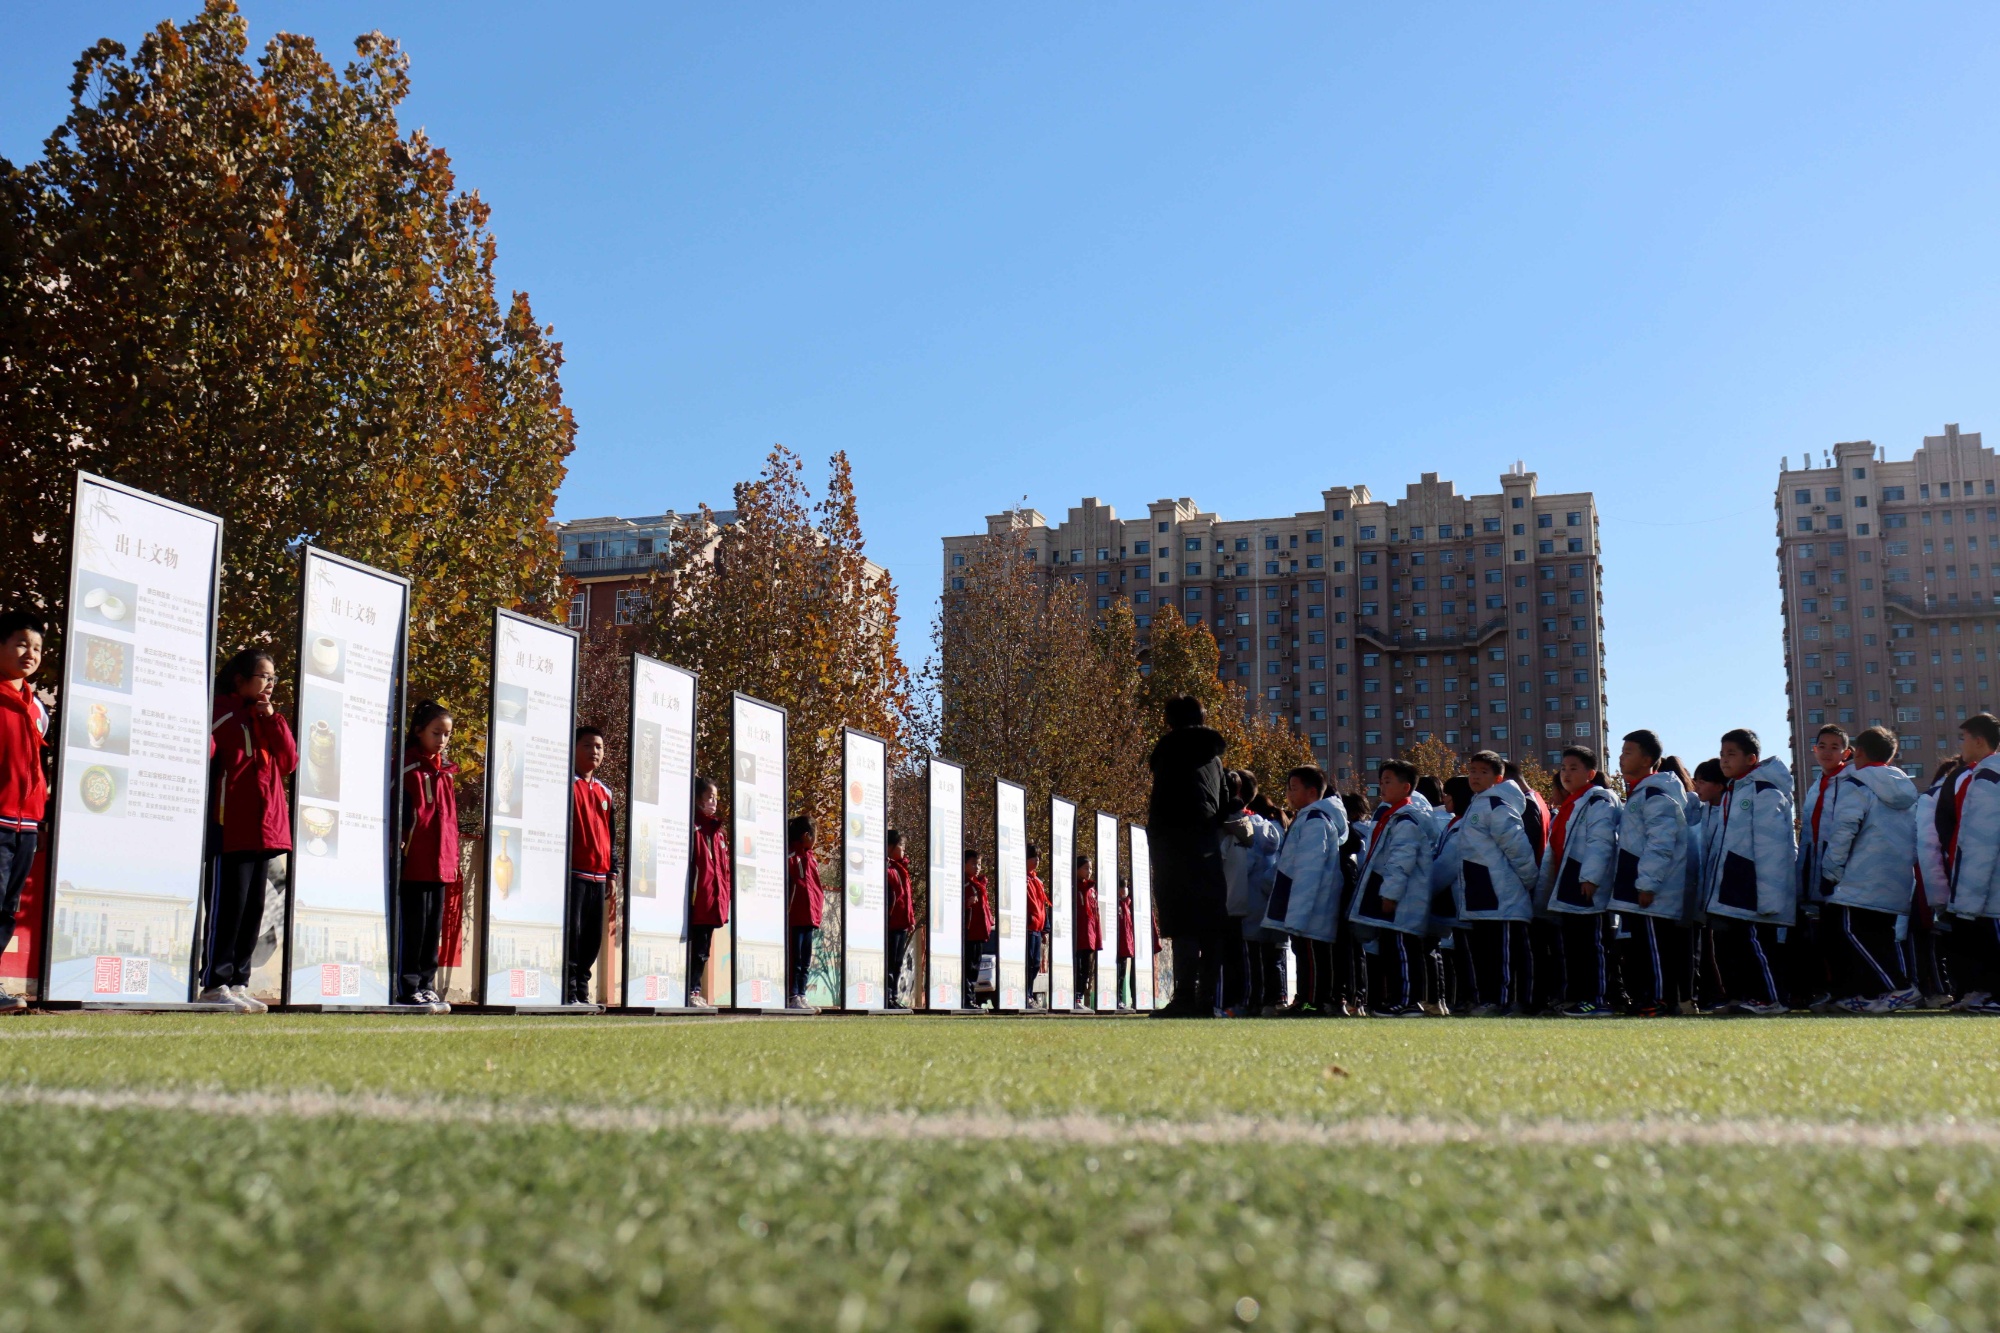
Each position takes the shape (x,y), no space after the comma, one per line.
(253,757)
(24,787)
(430,819)
(593,849)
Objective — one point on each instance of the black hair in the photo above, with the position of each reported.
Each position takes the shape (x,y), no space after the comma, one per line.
(1946,818)
(1184,710)
(1511,770)
(1983,725)
(237,668)
(1833,729)
(1402,769)
(1083,860)
(426,712)
(1583,754)
(584,733)
(1709,770)
(893,838)
(1311,774)
(1743,739)
(1458,790)
(13,622)
(798,826)
(1246,785)
(1488,760)
(1648,743)
(969,854)
(1878,743)
(702,786)
(1430,788)
(1265,806)
(1355,804)
(1672,764)
(1033,853)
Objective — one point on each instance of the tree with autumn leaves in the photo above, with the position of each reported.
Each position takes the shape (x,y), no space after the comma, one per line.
(247,289)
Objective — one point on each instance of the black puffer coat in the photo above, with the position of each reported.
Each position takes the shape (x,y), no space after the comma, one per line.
(1183,832)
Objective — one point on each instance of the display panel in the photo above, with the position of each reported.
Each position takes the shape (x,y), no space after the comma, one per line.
(1010,876)
(945,786)
(1142,921)
(659,831)
(1062,904)
(529,755)
(1107,912)
(757,811)
(353,630)
(864,803)
(132,776)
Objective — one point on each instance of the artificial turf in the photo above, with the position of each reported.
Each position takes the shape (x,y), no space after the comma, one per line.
(176,1219)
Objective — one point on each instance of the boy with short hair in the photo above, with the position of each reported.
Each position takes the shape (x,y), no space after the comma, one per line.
(1755,890)
(1089,935)
(1809,965)
(24,787)
(1975,865)
(1306,890)
(593,860)
(1867,857)
(1649,880)
(1394,898)
(1494,888)
(807,902)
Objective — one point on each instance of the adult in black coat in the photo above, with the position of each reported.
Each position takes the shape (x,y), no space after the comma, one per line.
(1183,833)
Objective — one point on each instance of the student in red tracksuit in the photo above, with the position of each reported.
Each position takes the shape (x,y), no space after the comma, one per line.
(901,917)
(979,925)
(1089,932)
(708,905)
(430,855)
(808,900)
(1038,921)
(253,754)
(593,860)
(24,786)
(1128,976)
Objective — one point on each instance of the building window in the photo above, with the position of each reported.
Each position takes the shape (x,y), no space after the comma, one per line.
(1367,534)
(1141,548)
(957,561)
(1545,520)
(578,610)
(627,604)
(958,585)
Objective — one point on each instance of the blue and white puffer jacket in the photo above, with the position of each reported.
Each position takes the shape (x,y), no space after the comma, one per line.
(1975,870)
(1868,851)
(1395,892)
(1248,868)
(1305,895)
(1590,856)
(1496,867)
(1445,860)
(1811,878)
(1932,877)
(1756,867)
(1653,849)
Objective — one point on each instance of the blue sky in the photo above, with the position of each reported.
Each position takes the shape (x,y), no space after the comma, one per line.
(1234,252)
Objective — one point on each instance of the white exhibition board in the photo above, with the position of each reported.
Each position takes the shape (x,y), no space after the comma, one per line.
(946,835)
(352,633)
(757,807)
(659,832)
(132,760)
(1142,922)
(1010,875)
(1062,904)
(864,808)
(1107,912)
(529,755)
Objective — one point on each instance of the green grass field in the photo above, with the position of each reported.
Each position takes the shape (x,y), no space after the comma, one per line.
(222,1173)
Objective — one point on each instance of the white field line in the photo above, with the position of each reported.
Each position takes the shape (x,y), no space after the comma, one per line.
(412,1026)
(1076,1129)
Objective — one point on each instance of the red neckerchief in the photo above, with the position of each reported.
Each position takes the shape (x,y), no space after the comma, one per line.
(1560,834)
(1959,793)
(1381,827)
(1825,781)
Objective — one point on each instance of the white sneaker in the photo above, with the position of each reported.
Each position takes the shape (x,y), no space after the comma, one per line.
(798,1003)
(223,995)
(1972,1000)
(247,1002)
(1759,1009)
(1852,1004)
(1907,998)
(12,1004)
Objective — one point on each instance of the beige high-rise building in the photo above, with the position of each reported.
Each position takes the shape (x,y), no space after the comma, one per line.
(1367,625)
(1891,580)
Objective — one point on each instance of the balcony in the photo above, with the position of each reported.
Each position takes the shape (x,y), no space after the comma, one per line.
(600,566)
(1441,638)
(1932,607)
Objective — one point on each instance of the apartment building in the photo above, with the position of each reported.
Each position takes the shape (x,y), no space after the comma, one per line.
(1366,625)
(1891,579)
